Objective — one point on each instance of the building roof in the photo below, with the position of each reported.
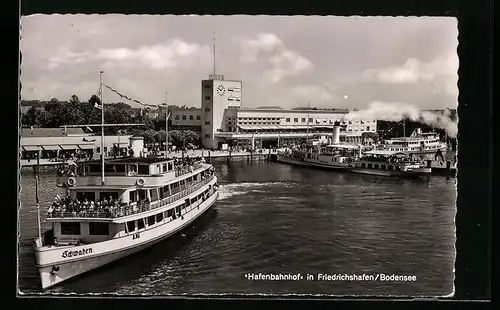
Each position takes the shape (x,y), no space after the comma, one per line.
(296,110)
(260,127)
(51,132)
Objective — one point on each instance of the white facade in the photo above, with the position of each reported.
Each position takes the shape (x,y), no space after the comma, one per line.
(217,96)
(185,117)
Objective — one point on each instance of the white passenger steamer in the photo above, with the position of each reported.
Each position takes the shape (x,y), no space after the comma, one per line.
(117,207)
(390,163)
(144,201)
(417,143)
(334,156)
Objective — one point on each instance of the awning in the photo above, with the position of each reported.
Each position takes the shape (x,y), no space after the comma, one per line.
(86,146)
(30,148)
(50,147)
(69,147)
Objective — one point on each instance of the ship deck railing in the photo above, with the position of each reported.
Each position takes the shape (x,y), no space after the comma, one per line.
(131,209)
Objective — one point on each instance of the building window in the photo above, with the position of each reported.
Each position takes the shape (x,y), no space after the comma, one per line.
(98,228)
(230,129)
(207,97)
(184,117)
(177,117)
(98,149)
(207,136)
(303,120)
(367,128)
(198,117)
(191,117)
(70,228)
(288,120)
(295,120)
(207,109)
(207,85)
(310,120)
(207,122)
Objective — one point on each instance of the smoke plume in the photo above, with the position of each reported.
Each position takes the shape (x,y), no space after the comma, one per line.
(397,112)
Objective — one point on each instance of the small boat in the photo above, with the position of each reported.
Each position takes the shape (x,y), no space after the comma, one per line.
(390,163)
(417,143)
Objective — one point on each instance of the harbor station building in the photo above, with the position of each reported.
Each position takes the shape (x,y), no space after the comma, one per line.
(53,144)
(223,119)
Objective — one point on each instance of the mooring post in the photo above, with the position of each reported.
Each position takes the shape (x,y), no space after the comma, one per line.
(448,168)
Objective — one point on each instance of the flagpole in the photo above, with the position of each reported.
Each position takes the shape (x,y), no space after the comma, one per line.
(102,130)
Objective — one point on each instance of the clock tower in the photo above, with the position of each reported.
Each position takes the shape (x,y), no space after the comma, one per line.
(217,95)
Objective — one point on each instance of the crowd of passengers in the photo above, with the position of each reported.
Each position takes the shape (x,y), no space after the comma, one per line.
(392,159)
(78,207)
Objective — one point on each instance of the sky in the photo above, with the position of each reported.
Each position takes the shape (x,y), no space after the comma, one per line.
(287,61)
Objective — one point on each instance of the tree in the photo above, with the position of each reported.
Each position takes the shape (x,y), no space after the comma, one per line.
(181,138)
(34,117)
(74,99)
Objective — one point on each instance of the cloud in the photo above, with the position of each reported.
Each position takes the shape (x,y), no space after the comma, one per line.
(313,93)
(270,49)
(159,56)
(442,71)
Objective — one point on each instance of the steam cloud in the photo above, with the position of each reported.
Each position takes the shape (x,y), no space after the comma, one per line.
(397,112)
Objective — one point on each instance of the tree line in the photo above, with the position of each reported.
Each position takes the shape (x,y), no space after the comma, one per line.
(56,113)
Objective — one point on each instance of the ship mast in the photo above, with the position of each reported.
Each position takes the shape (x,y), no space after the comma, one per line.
(308,109)
(36,198)
(166,124)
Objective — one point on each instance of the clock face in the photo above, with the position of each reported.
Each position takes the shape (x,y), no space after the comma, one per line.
(221,90)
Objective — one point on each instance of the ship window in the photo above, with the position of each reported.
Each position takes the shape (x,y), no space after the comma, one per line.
(154,194)
(120,168)
(143,169)
(382,167)
(90,196)
(132,196)
(363,165)
(142,194)
(98,228)
(131,226)
(369,165)
(107,195)
(164,167)
(140,224)
(170,213)
(70,228)
(389,167)
(159,217)
(170,166)
(151,220)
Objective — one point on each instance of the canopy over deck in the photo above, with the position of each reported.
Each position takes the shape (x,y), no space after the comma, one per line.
(384,153)
(343,146)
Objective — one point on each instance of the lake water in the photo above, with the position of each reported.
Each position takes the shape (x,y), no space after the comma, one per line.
(278,219)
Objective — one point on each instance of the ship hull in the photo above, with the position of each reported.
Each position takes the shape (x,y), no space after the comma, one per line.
(293,161)
(70,269)
(415,173)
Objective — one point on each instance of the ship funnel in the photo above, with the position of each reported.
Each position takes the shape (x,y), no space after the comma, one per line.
(137,146)
(336,133)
